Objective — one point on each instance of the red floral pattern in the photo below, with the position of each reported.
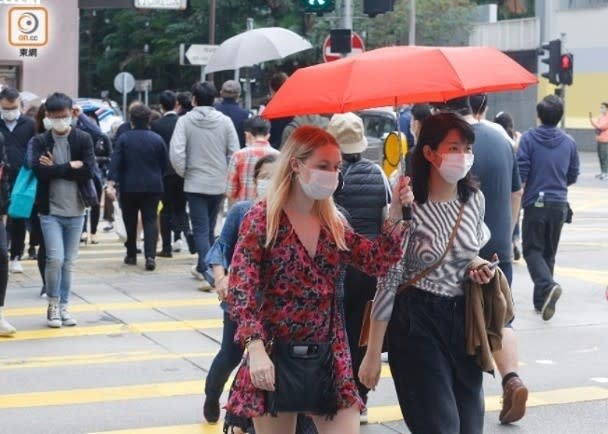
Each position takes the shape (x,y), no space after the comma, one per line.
(296,292)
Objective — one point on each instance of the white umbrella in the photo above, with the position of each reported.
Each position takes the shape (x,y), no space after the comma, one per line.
(256,46)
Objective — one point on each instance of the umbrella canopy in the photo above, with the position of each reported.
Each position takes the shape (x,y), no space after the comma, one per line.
(256,46)
(397,75)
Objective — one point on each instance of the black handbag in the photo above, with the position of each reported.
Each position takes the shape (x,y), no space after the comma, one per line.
(304,377)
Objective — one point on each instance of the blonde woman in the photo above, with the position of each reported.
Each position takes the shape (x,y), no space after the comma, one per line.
(292,250)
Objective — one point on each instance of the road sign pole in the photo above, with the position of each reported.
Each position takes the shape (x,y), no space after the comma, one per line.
(124,96)
(203,73)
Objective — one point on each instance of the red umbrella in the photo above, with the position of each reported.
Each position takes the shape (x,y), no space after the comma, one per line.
(397,75)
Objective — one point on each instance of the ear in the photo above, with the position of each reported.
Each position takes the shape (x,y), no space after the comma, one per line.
(431,156)
(295,167)
(427,152)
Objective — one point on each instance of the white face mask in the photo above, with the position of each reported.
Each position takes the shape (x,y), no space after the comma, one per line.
(61,125)
(321,185)
(455,167)
(602,109)
(262,187)
(48,125)
(10,115)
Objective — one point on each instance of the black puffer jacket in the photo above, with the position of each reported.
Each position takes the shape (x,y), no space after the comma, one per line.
(364,196)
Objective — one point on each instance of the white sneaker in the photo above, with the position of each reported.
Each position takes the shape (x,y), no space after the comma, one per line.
(178,246)
(53,315)
(66,319)
(6,329)
(363,419)
(384,357)
(205,286)
(195,273)
(16,266)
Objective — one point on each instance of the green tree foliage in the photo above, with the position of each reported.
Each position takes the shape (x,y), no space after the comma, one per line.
(114,40)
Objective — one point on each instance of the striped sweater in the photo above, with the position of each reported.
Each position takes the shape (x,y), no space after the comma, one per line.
(429,233)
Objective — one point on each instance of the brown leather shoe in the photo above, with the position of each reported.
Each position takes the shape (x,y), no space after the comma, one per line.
(514,398)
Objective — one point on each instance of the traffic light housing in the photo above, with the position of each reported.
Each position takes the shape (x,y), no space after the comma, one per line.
(375,7)
(566,68)
(318,7)
(554,50)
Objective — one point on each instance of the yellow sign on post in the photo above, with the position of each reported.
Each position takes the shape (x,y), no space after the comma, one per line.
(393,151)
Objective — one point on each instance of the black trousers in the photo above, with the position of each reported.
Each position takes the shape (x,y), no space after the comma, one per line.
(16,230)
(359,288)
(541,230)
(132,204)
(173,215)
(3,263)
(439,387)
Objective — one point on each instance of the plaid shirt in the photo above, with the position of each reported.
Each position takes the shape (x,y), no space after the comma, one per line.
(240,171)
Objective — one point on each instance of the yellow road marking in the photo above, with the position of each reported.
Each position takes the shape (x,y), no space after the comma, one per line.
(203,428)
(93,359)
(593,276)
(130,305)
(113,329)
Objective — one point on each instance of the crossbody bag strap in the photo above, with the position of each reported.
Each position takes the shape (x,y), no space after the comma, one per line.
(413,281)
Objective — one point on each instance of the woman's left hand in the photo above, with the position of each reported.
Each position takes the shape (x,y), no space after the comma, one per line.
(402,196)
(483,274)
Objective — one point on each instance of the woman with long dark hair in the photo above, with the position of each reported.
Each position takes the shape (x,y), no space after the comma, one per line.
(437,383)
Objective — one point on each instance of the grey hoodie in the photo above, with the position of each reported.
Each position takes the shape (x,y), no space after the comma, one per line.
(200,150)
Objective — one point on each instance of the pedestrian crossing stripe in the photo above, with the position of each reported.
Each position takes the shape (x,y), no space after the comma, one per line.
(376,414)
(114,330)
(95,359)
(126,306)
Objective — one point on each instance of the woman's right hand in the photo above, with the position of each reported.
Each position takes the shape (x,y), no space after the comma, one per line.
(369,371)
(221,287)
(261,368)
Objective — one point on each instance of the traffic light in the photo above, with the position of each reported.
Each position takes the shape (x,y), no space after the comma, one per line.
(554,49)
(565,71)
(318,7)
(375,7)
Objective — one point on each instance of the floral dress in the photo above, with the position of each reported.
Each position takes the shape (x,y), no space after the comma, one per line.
(282,293)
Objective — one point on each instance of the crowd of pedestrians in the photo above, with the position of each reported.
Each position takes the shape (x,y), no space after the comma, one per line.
(313,233)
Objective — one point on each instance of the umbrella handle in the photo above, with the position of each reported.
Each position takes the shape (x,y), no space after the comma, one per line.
(407,213)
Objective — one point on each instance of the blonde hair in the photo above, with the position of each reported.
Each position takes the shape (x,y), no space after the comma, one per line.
(304,141)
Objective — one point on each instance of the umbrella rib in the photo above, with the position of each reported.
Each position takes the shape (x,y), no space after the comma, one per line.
(452,68)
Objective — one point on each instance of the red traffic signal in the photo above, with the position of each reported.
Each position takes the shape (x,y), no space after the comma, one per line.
(566,70)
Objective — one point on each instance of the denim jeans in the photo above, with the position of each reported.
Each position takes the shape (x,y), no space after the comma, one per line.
(438,385)
(3,263)
(541,230)
(61,239)
(225,361)
(204,209)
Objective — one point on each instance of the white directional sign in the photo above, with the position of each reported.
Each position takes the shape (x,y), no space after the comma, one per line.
(161,4)
(198,54)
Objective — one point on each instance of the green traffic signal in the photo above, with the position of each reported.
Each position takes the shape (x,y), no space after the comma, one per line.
(318,6)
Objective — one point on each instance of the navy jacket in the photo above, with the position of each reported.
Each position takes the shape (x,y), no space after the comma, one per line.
(81,149)
(238,115)
(16,143)
(164,127)
(139,161)
(548,162)
(364,196)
